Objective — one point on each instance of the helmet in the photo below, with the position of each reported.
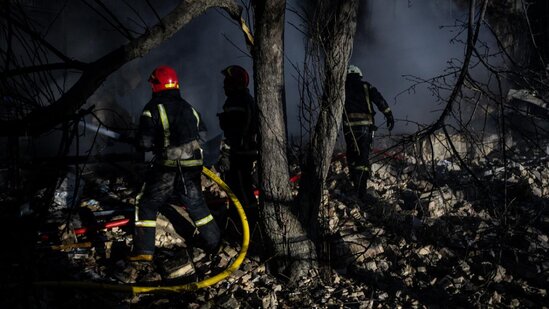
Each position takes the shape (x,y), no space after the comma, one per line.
(163,78)
(353,69)
(236,77)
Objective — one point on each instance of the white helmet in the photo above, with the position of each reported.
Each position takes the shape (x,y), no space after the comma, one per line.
(353,69)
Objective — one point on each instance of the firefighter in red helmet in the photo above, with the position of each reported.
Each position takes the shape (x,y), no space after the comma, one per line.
(240,127)
(169,127)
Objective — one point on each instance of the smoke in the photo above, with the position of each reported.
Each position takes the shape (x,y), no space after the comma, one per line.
(394,38)
(198,53)
(399,38)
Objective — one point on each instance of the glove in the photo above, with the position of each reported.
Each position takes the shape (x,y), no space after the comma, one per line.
(390,121)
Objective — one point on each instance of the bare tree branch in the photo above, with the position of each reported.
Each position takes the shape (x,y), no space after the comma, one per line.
(34,35)
(472,37)
(44,119)
(73,64)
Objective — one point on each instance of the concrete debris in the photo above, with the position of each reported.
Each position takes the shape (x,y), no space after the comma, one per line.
(68,192)
(424,251)
(431,236)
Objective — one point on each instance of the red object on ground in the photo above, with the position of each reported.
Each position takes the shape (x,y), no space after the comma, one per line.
(388,154)
(295,178)
(342,155)
(107,225)
(116,223)
(339,156)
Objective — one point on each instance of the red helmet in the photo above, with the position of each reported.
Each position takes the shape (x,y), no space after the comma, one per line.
(236,77)
(163,78)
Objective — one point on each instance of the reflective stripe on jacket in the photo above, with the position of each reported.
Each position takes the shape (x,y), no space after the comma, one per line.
(359,99)
(170,125)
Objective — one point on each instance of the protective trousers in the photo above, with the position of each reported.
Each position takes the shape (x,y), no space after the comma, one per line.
(359,141)
(162,182)
(240,178)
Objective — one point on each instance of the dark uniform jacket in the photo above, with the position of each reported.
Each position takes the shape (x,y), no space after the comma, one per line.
(169,122)
(359,96)
(239,121)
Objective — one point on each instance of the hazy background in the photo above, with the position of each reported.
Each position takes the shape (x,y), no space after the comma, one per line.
(397,38)
(394,38)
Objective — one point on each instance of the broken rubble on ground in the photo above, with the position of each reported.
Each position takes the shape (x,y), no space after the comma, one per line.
(422,242)
(449,212)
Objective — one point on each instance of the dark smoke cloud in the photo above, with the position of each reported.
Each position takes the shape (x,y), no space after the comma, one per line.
(394,38)
(198,53)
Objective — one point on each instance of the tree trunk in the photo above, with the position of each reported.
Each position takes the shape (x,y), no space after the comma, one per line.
(293,252)
(339,20)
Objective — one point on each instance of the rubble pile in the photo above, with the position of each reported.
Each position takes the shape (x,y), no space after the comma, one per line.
(433,238)
(429,234)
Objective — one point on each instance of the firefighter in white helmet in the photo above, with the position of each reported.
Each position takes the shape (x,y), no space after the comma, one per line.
(359,125)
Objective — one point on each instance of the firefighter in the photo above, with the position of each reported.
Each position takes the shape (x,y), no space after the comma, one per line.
(240,126)
(169,127)
(359,125)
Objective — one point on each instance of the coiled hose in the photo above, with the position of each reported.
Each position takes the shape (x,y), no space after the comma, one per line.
(136,289)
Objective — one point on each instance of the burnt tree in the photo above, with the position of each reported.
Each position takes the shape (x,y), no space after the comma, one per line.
(291,225)
(287,237)
(332,28)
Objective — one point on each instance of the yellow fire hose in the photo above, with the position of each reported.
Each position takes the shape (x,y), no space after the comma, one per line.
(173,288)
